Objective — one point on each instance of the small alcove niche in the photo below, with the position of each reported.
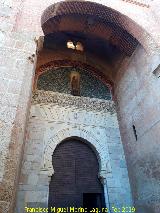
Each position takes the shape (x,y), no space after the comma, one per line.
(75,83)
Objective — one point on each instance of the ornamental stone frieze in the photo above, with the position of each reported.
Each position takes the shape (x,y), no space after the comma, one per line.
(65,100)
(141,3)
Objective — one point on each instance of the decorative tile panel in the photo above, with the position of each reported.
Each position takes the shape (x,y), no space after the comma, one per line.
(58,80)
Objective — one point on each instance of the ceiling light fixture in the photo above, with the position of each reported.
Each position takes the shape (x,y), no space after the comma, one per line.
(75,45)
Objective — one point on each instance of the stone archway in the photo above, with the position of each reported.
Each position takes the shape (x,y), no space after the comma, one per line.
(75,181)
(23,90)
(53,23)
(53,15)
(101,149)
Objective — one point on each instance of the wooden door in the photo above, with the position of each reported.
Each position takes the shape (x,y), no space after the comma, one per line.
(75,175)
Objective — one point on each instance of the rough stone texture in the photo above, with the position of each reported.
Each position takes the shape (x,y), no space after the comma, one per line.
(16,74)
(51,123)
(94,104)
(19,25)
(138,104)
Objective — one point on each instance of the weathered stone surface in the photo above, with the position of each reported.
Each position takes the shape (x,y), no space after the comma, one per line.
(44,97)
(19,25)
(4,206)
(140,86)
(50,123)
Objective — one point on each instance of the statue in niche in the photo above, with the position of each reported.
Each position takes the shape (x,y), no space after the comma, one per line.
(75,83)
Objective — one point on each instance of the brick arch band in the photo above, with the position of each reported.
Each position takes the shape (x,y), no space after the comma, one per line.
(117,28)
(100,149)
(75,64)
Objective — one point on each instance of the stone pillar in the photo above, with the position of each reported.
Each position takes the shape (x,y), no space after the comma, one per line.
(103,180)
(17,60)
(17,72)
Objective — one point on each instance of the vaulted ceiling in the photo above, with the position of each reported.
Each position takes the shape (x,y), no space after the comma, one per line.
(86,21)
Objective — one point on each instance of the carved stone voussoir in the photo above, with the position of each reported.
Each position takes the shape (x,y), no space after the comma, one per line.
(64,100)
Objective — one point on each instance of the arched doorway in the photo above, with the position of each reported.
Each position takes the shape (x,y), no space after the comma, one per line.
(75,181)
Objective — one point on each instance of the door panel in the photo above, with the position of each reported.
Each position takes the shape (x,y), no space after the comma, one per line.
(76,172)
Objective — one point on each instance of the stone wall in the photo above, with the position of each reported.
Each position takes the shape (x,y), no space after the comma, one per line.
(50,123)
(19,25)
(138,101)
(16,73)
